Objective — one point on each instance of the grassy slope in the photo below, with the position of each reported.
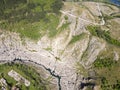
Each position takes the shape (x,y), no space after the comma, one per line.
(31,18)
(97,31)
(108,72)
(77,38)
(106,67)
(29,73)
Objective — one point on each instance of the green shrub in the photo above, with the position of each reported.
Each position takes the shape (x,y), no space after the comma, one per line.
(66,17)
(96,31)
(106,62)
(76,38)
(26,17)
(36,82)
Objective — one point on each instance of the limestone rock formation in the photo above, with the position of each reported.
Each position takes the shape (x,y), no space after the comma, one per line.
(59,54)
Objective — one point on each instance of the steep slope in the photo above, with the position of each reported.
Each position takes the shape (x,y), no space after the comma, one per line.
(73,45)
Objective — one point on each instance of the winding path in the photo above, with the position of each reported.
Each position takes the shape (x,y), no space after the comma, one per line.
(98,6)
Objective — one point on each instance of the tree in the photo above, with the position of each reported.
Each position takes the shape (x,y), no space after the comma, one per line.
(56,6)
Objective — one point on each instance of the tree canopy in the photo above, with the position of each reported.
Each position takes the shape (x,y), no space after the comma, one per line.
(30,18)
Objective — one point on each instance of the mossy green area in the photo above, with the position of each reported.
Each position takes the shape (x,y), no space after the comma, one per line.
(30,18)
(111,16)
(108,72)
(36,82)
(103,63)
(77,38)
(80,69)
(97,31)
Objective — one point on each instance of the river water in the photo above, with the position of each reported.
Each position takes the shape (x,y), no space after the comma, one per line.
(116,2)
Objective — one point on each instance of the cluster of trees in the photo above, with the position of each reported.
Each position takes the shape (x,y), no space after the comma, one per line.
(96,31)
(29,17)
(76,38)
(107,73)
(106,86)
(36,82)
(7,4)
(26,9)
(104,63)
(106,67)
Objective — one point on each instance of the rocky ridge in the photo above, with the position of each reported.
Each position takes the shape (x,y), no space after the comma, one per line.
(58,54)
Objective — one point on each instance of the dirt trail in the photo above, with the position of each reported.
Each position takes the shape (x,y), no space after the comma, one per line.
(97,6)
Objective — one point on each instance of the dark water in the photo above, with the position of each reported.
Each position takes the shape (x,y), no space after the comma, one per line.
(116,2)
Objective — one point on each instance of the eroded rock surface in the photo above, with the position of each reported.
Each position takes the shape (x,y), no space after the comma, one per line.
(57,54)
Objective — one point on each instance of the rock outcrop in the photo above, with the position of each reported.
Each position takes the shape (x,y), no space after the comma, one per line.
(58,54)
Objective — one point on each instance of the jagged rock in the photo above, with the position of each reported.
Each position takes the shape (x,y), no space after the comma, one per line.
(57,54)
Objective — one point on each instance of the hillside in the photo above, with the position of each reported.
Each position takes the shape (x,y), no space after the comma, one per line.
(78,43)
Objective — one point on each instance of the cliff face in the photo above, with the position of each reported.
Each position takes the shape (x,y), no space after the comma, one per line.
(75,44)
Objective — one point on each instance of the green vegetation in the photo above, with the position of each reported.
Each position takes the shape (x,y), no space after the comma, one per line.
(111,16)
(108,72)
(63,27)
(96,31)
(117,15)
(30,18)
(105,1)
(106,86)
(80,69)
(77,38)
(103,63)
(52,26)
(36,82)
(48,48)
(66,17)
(107,17)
